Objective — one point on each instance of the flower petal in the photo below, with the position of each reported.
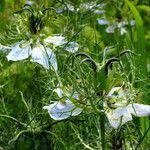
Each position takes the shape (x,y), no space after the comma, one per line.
(102,21)
(52,58)
(20,51)
(114,122)
(122,31)
(72,47)
(59,92)
(132,22)
(118,117)
(60,111)
(110,29)
(120,111)
(139,110)
(114,90)
(124,113)
(44,56)
(56,40)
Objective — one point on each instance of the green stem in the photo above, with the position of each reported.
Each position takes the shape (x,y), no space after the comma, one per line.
(13,119)
(102,126)
(24,102)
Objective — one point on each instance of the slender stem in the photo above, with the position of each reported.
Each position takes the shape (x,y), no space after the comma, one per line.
(24,102)
(102,126)
(13,119)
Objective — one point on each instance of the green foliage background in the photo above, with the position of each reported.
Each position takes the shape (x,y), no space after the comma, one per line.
(26,87)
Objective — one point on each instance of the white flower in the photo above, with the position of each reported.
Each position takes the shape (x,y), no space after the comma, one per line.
(58,40)
(119,110)
(40,53)
(62,110)
(44,56)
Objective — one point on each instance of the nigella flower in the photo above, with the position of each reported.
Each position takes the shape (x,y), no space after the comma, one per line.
(59,110)
(119,109)
(39,54)
(37,48)
(119,25)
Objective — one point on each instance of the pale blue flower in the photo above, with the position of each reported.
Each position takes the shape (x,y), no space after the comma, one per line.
(62,110)
(39,54)
(119,109)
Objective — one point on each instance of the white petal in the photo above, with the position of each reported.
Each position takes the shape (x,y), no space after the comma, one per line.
(20,51)
(139,110)
(124,113)
(118,117)
(114,122)
(122,31)
(120,111)
(70,7)
(59,92)
(110,29)
(57,40)
(29,2)
(103,21)
(60,111)
(72,47)
(99,11)
(113,90)
(121,24)
(52,58)
(44,56)
(132,22)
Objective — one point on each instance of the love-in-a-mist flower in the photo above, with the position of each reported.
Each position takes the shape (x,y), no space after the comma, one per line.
(60,110)
(119,107)
(36,48)
(39,54)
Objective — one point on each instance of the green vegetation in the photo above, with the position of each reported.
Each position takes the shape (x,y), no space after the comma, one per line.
(74,75)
